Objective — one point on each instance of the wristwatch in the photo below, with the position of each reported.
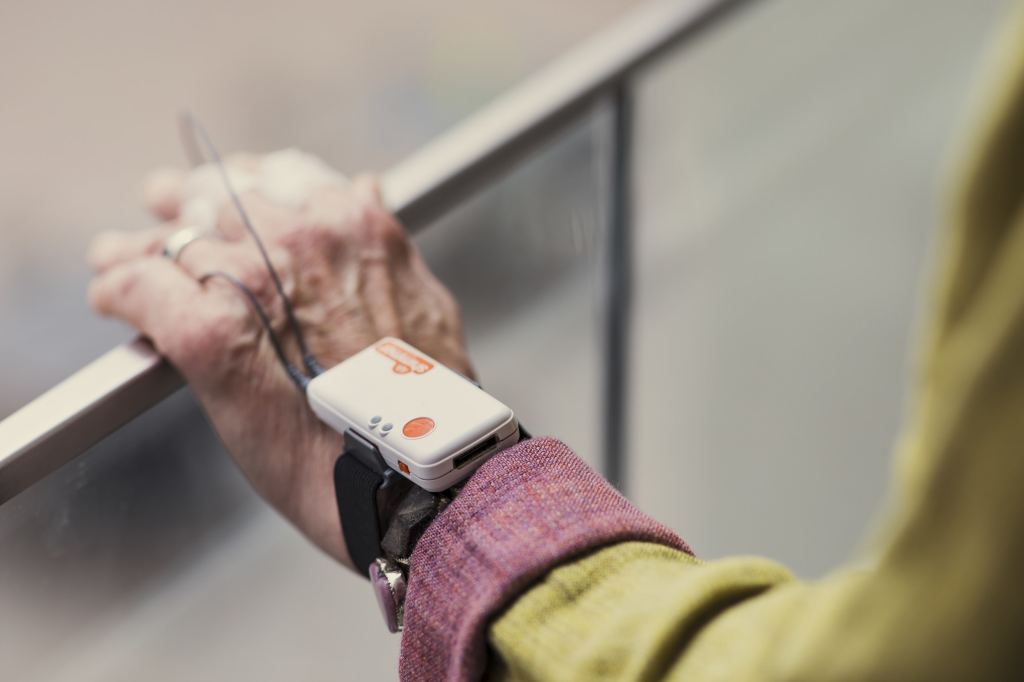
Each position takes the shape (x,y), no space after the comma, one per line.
(383,515)
(414,431)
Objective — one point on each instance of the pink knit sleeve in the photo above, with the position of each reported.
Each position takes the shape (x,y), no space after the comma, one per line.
(529,508)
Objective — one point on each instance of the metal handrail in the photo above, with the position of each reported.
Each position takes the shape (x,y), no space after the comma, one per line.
(130,379)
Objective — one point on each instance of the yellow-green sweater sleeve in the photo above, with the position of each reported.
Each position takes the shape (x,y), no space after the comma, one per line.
(944,600)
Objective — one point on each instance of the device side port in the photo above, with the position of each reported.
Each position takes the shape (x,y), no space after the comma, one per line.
(480,448)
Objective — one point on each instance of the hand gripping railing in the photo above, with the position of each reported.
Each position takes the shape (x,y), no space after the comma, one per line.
(125,382)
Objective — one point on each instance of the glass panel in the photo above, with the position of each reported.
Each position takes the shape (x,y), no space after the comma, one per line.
(152,544)
(788,174)
(524,259)
(149,557)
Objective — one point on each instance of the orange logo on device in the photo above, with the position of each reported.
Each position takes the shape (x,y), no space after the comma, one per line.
(405,362)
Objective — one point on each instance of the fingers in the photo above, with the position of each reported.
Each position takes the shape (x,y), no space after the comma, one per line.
(356,208)
(197,196)
(352,211)
(241,261)
(367,187)
(268,218)
(272,189)
(115,247)
(148,293)
(289,176)
(340,205)
(198,330)
(163,192)
(206,255)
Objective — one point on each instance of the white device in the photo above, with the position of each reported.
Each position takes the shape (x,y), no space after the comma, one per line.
(429,423)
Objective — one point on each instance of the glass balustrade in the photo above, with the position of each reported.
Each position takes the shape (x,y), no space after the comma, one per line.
(789,173)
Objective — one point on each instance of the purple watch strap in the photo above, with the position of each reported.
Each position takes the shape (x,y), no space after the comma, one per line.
(389,586)
(526,510)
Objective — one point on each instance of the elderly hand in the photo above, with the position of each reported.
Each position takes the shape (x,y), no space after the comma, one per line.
(352,276)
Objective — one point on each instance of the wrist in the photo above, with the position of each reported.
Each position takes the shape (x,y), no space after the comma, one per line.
(527,509)
(311,504)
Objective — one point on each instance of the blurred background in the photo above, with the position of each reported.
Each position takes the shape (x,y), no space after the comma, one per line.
(789,171)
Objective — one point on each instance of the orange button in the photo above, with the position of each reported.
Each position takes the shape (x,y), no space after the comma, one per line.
(418,427)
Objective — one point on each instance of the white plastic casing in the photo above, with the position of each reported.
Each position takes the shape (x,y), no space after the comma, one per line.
(393,383)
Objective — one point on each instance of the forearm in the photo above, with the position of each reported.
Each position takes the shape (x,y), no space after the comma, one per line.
(634,611)
(527,510)
(943,600)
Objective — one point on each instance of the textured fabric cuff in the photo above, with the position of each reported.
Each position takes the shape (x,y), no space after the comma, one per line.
(528,509)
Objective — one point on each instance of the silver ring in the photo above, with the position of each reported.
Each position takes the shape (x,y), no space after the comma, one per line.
(180,239)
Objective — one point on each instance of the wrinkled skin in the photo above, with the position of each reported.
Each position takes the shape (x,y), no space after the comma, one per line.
(352,275)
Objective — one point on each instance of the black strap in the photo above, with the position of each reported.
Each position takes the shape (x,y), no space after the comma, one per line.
(368,493)
(366,489)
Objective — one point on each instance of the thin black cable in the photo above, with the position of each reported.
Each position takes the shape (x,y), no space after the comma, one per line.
(294,373)
(199,134)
